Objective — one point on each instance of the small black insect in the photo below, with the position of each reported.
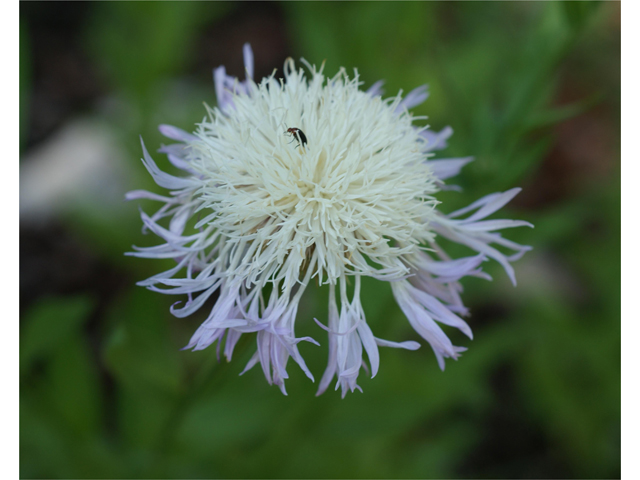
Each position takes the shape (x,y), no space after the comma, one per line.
(297,135)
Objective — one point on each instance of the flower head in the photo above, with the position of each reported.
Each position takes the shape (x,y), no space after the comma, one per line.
(314,178)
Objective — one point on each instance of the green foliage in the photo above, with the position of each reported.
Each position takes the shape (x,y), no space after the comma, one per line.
(139,43)
(49,325)
(61,400)
(577,14)
(106,391)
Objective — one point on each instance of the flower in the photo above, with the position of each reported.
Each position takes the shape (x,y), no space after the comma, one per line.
(314,178)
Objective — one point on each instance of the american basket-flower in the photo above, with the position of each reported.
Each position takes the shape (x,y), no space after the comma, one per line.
(313,180)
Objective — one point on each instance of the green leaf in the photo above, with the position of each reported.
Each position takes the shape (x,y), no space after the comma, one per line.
(50,324)
(74,386)
(572,371)
(566,112)
(140,350)
(577,14)
(163,34)
(44,449)
(49,449)
(144,360)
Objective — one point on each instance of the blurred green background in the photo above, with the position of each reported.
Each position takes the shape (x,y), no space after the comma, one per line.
(531,89)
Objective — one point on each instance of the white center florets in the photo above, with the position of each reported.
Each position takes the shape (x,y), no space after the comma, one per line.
(358,189)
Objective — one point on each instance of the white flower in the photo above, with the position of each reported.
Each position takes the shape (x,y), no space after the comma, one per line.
(314,178)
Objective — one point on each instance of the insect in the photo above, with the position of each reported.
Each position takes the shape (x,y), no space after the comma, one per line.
(297,135)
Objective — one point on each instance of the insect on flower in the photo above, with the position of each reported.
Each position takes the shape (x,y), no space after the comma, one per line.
(297,134)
